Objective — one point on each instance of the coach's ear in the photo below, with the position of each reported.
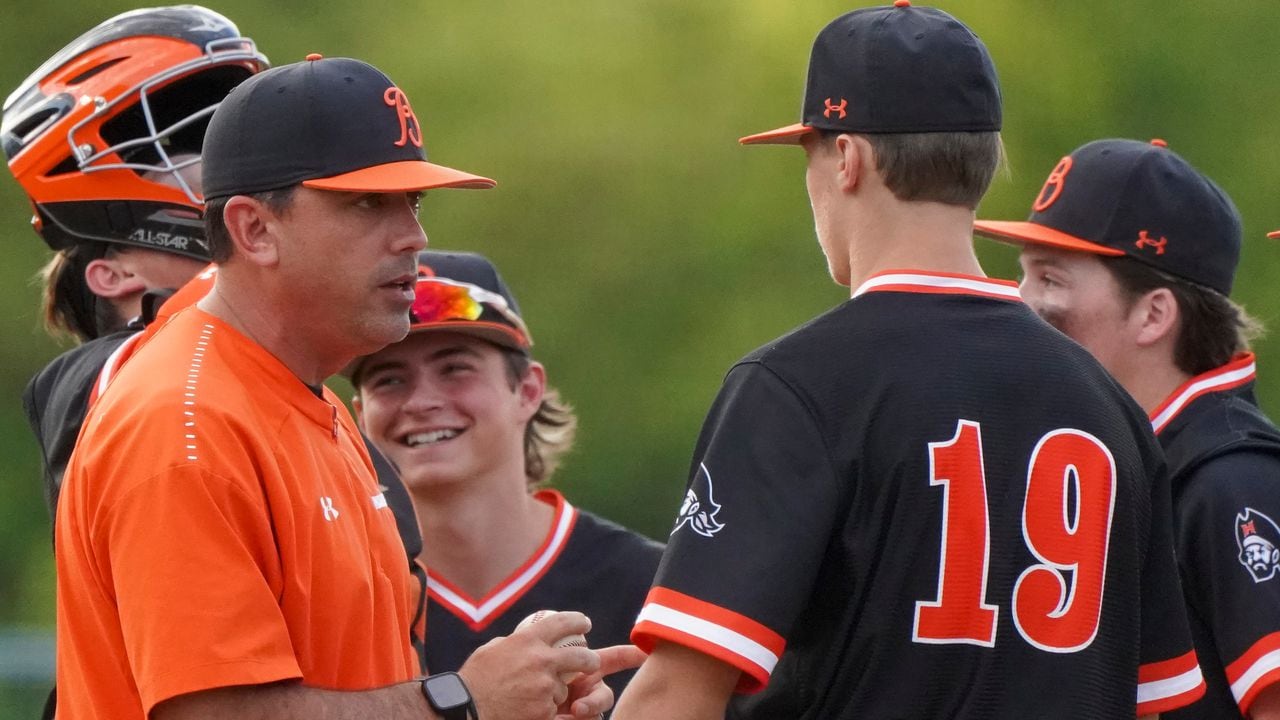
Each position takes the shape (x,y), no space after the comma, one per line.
(1154,317)
(252,225)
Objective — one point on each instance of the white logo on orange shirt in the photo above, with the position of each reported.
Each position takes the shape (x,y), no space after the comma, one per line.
(330,512)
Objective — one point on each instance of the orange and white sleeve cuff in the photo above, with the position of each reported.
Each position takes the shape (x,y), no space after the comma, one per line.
(727,636)
(1255,670)
(1170,684)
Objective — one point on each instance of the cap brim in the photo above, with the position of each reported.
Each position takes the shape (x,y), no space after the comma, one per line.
(402,176)
(495,333)
(789,135)
(1029,232)
(1274,235)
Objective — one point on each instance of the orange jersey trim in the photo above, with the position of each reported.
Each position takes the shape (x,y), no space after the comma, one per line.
(1257,669)
(1169,684)
(920,281)
(734,639)
(1240,371)
(479,614)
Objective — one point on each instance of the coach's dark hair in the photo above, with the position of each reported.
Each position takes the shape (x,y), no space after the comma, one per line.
(953,168)
(1212,329)
(68,307)
(215,226)
(549,435)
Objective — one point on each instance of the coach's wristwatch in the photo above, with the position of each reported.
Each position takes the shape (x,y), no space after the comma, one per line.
(449,697)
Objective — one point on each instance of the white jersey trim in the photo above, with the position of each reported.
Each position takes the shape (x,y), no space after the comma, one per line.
(1198,388)
(1157,690)
(109,368)
(718,635)
(1263,665)
(482,613)
(944,282)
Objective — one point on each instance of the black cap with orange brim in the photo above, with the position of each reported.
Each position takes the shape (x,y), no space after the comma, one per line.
(325,123)
(895,69)
(1141,200)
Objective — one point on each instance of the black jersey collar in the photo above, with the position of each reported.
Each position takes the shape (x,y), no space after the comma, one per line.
(921,281)
(1240,371)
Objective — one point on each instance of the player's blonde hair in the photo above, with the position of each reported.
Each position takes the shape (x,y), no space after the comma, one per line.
(550,434)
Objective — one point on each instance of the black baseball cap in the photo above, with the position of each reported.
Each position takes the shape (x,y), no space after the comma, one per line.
(895,69)
(327,123)
(1141,200)
(462,292)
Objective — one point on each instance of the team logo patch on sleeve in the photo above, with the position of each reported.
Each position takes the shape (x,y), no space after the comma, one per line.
(700,516)
(1259,541)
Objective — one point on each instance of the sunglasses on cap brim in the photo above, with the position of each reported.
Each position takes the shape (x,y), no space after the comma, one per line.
(438,302)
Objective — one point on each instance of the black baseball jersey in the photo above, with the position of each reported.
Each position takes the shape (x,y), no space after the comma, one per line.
(927,503)
(1224,466)
(586,564)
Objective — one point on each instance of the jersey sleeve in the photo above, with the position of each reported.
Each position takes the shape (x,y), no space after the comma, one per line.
(1169,675)
(192,563)
(1229,545)
(751,532)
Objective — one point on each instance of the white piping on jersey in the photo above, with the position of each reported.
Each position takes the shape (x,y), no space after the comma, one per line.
(109,367)
(731,640)
(939,281)
(480,614)
(1260,667)
(1156,690)
(189,394)
(1197,388)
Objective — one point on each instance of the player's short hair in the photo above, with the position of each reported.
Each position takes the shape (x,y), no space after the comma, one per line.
(215,226)
(68,307)
(953,168)
(549,435)
(1212,329)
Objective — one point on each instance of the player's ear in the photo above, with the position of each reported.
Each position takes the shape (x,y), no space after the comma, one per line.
(531,388)
(357,409)
(108,277)
(252,227)
(854,158)
(1155,315)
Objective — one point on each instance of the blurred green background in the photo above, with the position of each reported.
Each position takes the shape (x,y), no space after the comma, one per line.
(648,250)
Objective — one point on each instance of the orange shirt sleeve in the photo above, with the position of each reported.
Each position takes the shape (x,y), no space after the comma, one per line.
(193,564)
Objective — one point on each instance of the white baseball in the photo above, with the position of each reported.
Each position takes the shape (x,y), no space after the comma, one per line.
(576,640)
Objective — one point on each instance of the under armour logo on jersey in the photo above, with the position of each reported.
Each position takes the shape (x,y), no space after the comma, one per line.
(1145,241)
(330,512)
(1259,541)
(410,130)
(835,108)
(699,515)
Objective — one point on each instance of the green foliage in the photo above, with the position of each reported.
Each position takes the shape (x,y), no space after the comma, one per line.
(647,248)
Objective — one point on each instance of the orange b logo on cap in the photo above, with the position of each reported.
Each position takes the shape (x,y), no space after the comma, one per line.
(1053,186)
(396,98)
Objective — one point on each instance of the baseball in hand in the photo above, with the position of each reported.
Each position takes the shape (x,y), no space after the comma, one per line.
(566,641)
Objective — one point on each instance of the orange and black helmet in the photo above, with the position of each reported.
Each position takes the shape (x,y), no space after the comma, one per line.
(99,134)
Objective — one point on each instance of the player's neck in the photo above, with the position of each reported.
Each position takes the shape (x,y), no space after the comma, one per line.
(1152,380)
(476,535)
(911,236)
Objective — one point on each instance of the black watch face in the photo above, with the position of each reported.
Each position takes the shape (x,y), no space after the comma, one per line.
(447,691)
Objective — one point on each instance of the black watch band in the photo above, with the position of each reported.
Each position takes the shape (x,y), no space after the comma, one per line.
(448,695)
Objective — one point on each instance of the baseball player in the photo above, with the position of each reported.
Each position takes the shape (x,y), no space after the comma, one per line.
(224,549)
(924,503)
(105,138)
(1132,252)
(463,410)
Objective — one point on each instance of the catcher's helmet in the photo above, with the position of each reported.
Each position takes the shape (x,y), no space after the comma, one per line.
(120,101)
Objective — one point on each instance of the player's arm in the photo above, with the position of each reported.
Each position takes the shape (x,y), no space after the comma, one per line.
(1267,705)
(291,700)
(677,683)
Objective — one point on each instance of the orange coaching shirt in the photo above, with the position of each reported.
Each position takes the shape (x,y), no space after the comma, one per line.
(220,525)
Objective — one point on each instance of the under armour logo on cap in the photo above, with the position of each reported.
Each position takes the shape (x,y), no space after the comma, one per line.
(1144,240)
